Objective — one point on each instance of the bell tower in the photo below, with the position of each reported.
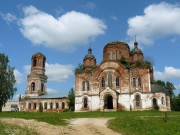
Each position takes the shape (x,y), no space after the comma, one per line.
(37,79)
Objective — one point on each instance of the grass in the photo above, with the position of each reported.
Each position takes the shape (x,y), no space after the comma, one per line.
(125,122)
(9,129)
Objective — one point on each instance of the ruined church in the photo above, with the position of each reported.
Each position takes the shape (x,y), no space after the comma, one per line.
(123,80)
(36,97)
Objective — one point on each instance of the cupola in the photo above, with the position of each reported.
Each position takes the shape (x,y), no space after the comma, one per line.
(89,59)
(136,53)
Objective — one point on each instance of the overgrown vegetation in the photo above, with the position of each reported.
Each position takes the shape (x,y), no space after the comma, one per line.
(10,129)
(147,63)
(82,69)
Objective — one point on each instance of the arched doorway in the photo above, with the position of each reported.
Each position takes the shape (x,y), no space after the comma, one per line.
(108,102)
(154,101)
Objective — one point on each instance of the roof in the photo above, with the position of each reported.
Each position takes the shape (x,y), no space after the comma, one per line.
(49,96)
(89,55)
(136,49)
(158,88)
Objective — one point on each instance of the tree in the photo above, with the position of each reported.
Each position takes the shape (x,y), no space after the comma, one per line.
(7,80)
(71,97)
(170,87)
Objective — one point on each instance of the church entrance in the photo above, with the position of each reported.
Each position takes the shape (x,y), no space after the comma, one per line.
(108,102)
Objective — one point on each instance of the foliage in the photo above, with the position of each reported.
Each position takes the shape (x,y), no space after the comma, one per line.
(40,108)
(79,69)
(71,97)
(7,80)
(175,103)
(147,63)
(26,97)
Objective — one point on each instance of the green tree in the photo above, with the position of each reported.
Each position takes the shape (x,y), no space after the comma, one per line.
(170,87)
(7,80)
(71,97)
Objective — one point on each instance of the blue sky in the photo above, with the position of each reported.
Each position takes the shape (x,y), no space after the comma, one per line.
(63,31)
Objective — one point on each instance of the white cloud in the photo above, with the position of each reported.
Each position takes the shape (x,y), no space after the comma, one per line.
(18,76)
(114,18)
(167,74)
(177,87)
(65,33)
(159,20)
(55,72)
(51,91)
(90,5)
(58,72)
(8,17)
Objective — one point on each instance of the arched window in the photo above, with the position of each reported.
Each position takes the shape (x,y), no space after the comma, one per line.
(117,55)
(87,84)
(34,62)
(32,86)
(109,80)
(102,83)
(34,106)
(51,106)
(139,82)
(43,62)
(29,106)
(45,105)
(134,82)
(154,101)
(57,105)
(138,100)
(162,100)
(42,87)
(111,55)
(63,105)
(117,81)
(85,103)
(83,86)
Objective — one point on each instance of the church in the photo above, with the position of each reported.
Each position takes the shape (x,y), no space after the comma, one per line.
(36,95)
(122,81)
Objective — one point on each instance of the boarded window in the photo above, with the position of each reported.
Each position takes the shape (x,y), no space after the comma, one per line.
(139,82)
(51,106)
(117,81)
(102,83)
(134,82)
(63,105)
(57,105)
(138,100)
(109,80)
(83,86)
(45,105)
(85,103)
(87,84)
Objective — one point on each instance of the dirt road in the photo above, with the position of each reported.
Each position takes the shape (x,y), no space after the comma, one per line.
(79,126)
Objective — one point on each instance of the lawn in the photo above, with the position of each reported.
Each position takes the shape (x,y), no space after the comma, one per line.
(125,122)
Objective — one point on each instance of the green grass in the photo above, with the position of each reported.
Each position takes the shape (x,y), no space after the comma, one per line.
(125,122)
(9,129)
(146,125)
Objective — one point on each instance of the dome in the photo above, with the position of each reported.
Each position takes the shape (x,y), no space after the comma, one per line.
(136,49)
(89,55)
(39,54)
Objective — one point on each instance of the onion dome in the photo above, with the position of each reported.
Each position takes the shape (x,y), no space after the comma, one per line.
(136,49)
(89,59)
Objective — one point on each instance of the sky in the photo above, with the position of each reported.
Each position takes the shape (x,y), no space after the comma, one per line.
(63,30)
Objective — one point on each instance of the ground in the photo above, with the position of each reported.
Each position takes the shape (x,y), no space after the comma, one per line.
(77,126)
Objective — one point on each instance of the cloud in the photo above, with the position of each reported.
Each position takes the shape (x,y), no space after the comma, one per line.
(8,17)
(168,74)
(177,87)
(114,18)
(58,72)
(159,20)
(65,33)
(55,72)
(19,76)
(90,5)
(51,91)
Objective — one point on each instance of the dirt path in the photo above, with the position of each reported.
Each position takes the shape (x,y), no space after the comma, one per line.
(79,126)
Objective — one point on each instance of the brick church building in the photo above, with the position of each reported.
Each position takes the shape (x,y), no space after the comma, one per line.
(123,80)
(36,94)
